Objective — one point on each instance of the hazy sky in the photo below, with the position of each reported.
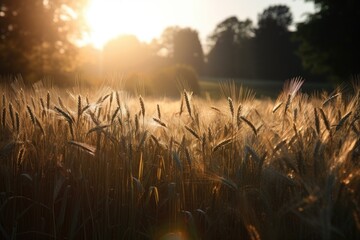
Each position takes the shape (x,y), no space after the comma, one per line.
(148,18)
(204,15)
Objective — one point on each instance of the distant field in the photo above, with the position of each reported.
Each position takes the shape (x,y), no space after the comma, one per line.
(102,164)
(263,88)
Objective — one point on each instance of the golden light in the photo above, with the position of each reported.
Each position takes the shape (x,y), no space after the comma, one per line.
(109,18)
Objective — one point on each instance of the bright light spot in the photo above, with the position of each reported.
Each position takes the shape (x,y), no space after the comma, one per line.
(108,19)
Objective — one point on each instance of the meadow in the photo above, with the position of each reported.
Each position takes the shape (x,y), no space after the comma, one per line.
(105,164)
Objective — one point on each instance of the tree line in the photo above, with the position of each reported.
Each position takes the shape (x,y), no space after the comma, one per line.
(42,42)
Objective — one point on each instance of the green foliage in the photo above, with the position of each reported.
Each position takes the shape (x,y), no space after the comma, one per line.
(231,54)
(330,42)
(276,15)
(240,50)
(183,47)
(274,49)
(36,36)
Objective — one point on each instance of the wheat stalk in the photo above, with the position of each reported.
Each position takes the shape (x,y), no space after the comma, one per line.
(231,106)
(342,121)
(155,140)
(84,146)
(32,117)
(158,111)
(238,115)
(295,115)
(160,122)
(79,108)
(33,103)
(17,121)
(61,103)
(277,106)
(48,101)
(115,114)
(38,123)
(20,156)
(187,101)
(98,128)
(3,100)
(327,101)
(11,112)
(193,132)
(210,135)
(4,117)
(142,105)
(317,122)
(66,115)
(137,126)
(222,144)
(249,124)
(181,105)
(117,98)
(325,120)
(142,140)
(42,103)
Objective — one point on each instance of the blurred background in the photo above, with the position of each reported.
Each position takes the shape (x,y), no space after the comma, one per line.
(163,46)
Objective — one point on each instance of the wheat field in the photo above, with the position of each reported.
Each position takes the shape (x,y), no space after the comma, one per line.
(103,164)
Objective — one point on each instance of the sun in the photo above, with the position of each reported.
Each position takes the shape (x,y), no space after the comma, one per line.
(108,19)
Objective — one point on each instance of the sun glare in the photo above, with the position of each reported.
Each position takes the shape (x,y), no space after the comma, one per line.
(109,18)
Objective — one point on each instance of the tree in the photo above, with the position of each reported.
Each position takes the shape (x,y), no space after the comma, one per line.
(231,49)
(125,53)
(183,47)
(277,16)
(275,51)
(167,40)
(38,36)
(188,49)
(232,27)
(330,39)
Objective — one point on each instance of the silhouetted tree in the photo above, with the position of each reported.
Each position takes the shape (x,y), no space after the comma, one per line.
(277,15)
(183,47)
(275,52)
(125,53)
(231,52)
(37,36)
(330,39)
(188,49)
(166,41)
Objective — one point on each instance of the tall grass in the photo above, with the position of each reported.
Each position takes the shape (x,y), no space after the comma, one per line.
(112,166)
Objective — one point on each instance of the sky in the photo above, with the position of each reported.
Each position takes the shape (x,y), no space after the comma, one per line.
(148,18)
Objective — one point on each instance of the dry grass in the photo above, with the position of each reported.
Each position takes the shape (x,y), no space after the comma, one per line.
(106,165)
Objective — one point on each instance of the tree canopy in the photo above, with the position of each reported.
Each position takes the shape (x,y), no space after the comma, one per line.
(38,36)
(330,39)
(238,49)
(231,51)
(276,15)
(183,47)
(274,52)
